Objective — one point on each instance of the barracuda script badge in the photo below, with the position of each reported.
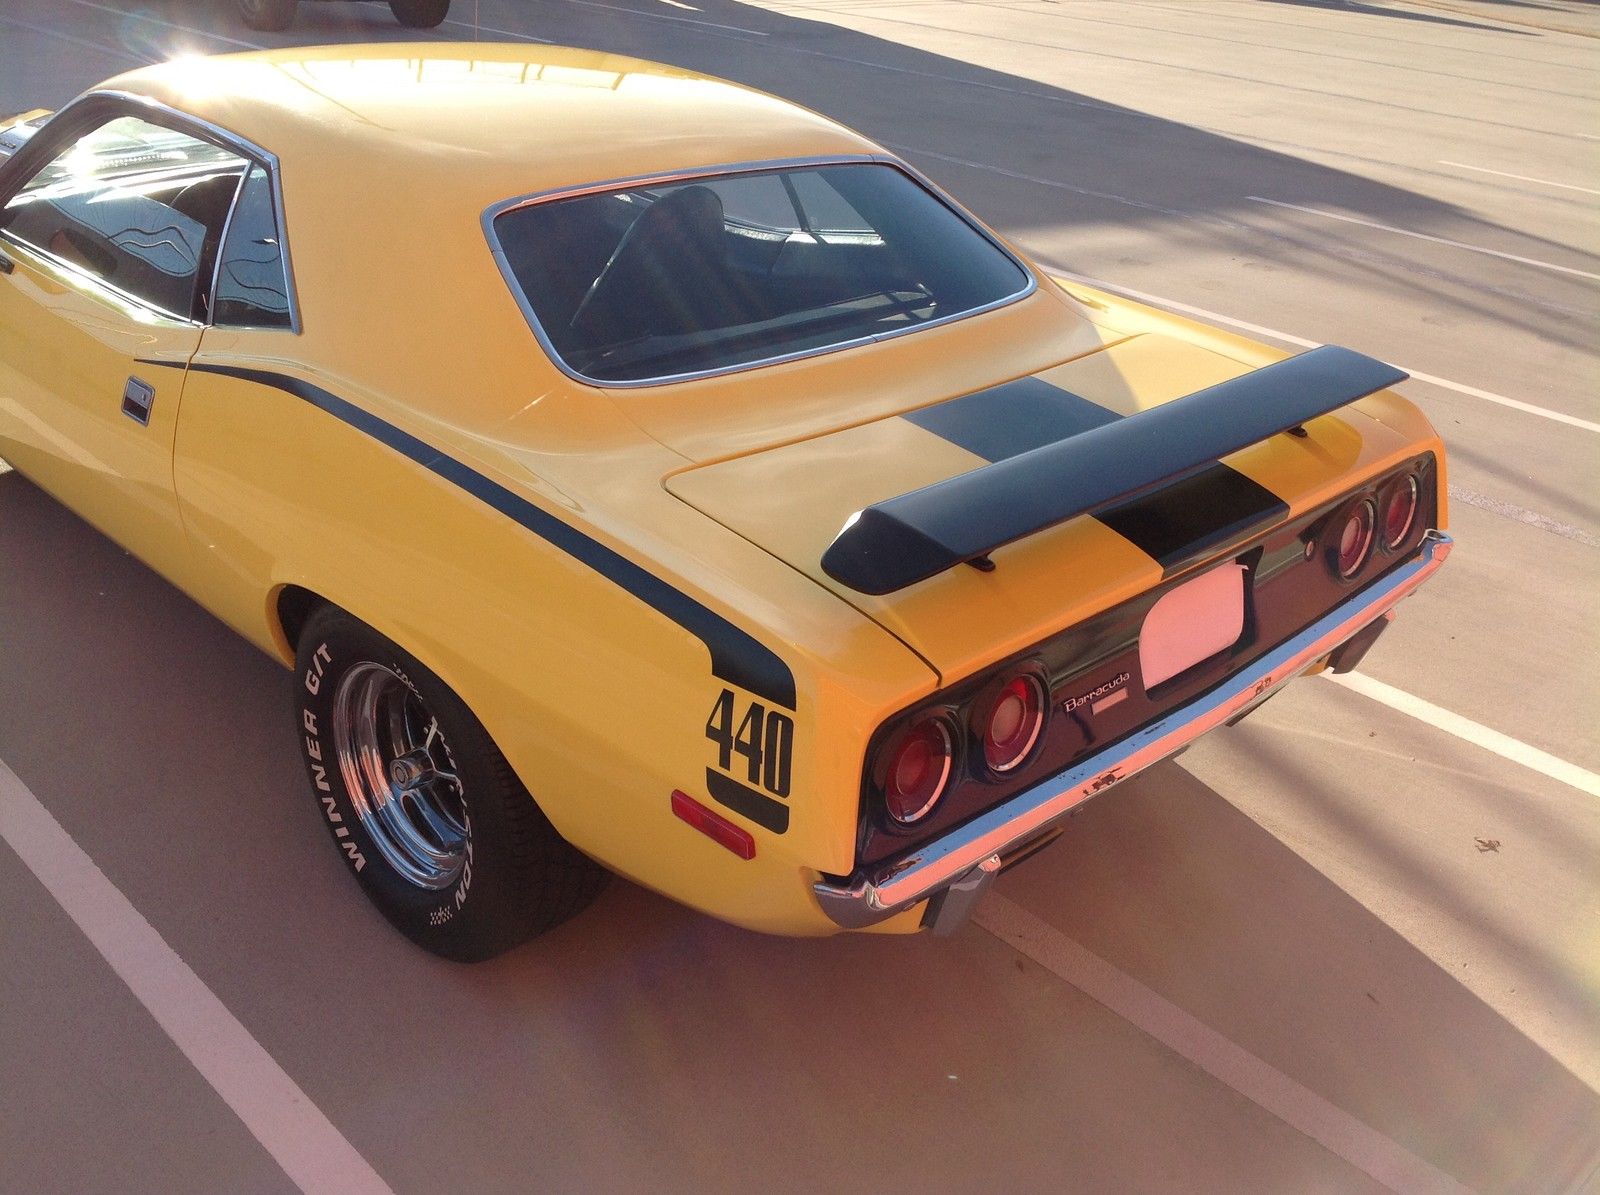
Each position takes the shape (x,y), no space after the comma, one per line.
(1096,693)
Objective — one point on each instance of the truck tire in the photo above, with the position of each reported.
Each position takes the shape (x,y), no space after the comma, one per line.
(268,15)
(420,14)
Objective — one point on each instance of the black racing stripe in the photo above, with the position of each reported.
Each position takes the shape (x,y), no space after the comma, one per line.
(1176,525)
(1013,418)
(1196,517)
(736,656)
(765,811)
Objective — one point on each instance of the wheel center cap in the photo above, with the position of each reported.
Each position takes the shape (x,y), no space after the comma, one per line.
(409,770)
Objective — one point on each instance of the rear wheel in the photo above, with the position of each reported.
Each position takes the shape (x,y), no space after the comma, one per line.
(268,15)
(419,14)
(421,804)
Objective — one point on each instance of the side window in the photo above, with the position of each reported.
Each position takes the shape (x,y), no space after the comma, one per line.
(136,205)
(252,283)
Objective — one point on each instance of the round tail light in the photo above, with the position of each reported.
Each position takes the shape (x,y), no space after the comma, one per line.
(1400,510)
(1013,723)
(1354,539)
(918,770)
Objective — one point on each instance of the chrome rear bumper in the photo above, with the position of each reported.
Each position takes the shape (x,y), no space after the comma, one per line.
(956,868)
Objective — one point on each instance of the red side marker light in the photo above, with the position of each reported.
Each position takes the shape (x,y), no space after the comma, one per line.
(713,825)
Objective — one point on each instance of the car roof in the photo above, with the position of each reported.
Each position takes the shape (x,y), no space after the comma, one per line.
(486,121)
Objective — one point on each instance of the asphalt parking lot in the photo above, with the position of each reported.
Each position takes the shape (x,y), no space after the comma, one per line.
(1350,944)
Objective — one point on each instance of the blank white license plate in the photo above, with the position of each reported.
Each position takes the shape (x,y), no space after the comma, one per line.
(1192,623)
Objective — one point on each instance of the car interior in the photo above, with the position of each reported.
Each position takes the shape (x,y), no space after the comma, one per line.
(150,231)
(661,280)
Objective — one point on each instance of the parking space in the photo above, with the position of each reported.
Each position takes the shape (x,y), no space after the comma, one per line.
(1342,946)
(97,1097)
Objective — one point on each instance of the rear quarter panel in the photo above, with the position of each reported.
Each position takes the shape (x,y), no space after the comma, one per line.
(598,701)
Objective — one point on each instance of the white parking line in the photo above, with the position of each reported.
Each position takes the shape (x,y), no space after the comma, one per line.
(479,28)
(1215,317)
(1521,514)
(661,16)
(1543,182)
(1472,732)
(1264,1085)
(1423,236)
(154,20)
(292,1129)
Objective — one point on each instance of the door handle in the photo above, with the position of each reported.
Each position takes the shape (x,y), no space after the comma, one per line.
(6,264)
(137,399)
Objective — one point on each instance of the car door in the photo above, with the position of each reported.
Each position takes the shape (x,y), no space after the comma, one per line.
(109,230)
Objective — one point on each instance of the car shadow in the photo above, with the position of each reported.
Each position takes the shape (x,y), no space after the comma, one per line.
(164,745)
(1097,167)
(1174,884)
(1081,168)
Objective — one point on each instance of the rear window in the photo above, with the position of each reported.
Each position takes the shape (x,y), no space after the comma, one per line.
(654,282)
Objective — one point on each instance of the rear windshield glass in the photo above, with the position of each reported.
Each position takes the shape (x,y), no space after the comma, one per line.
(657,281)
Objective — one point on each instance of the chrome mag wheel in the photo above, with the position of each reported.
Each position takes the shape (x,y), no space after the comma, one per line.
(401,776)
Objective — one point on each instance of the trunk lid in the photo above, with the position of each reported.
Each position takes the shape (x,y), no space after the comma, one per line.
(792,498)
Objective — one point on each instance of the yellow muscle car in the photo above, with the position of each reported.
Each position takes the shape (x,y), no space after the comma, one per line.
(642,473)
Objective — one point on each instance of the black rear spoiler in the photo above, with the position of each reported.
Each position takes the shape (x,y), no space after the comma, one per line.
(900,541)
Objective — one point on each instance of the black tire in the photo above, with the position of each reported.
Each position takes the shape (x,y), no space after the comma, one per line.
(517,877)
(420,14)
(270,16)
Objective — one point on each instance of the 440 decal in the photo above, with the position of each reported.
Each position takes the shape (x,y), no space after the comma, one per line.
(754,760)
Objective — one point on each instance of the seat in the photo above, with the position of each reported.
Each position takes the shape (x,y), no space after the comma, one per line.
(667,275)
(207,202)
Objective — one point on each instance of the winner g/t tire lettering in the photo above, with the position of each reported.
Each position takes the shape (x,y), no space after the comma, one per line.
(423,808)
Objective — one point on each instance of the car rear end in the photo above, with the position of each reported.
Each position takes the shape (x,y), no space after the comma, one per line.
(960,786)
(1104,531)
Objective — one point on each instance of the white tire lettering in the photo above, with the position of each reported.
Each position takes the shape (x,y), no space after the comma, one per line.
(320,659)
(319,774)
(466,870)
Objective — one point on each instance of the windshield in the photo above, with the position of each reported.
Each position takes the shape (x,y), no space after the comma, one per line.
(658,281)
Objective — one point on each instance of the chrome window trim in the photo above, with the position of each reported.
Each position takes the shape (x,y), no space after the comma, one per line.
(495,211)
(283,253)
(222,240)
(275,173)
(166,116)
